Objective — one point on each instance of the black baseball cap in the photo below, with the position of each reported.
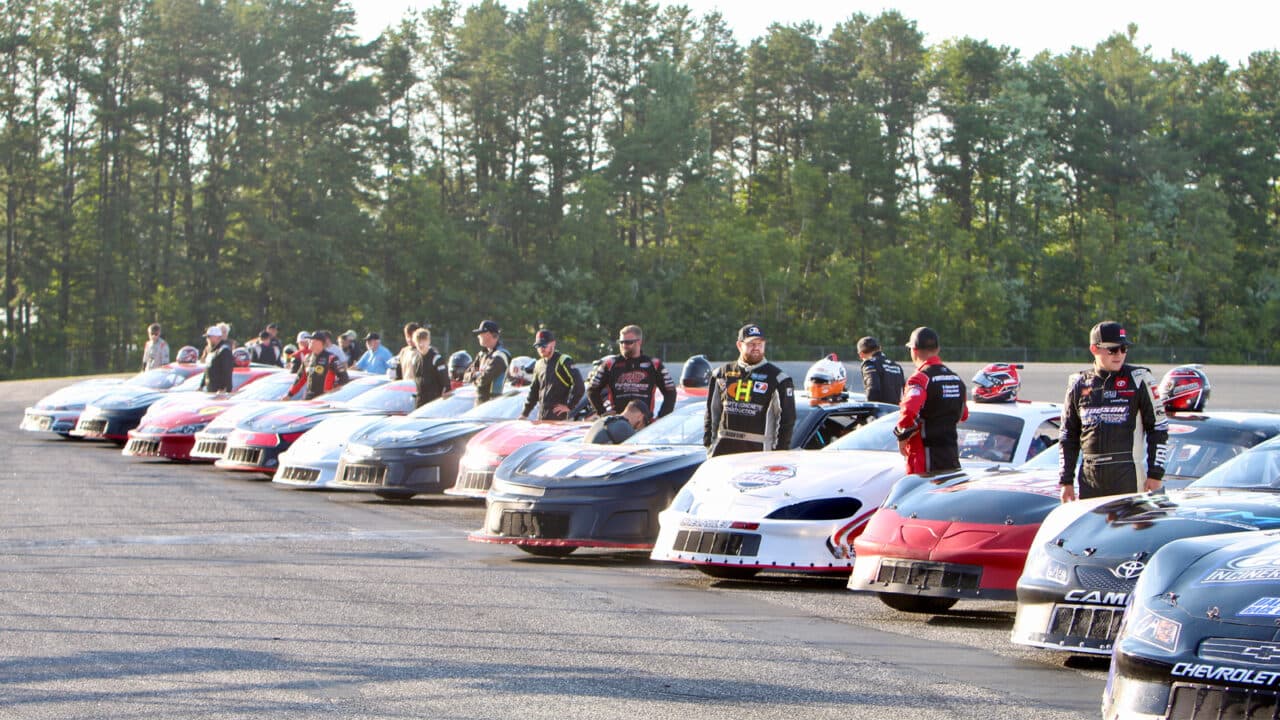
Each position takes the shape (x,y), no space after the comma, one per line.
(923,338)
(321,335)
(750,331)
(486,326)
(867,344)
(372,336)
(1108,334)
(543,338)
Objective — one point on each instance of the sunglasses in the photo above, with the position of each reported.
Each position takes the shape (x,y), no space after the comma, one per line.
(627,342)
(1123,349)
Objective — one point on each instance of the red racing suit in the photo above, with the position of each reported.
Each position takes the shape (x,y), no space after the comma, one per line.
(933,403)
(321,373)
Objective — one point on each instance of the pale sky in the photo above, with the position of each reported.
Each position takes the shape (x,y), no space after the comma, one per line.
(1230,29)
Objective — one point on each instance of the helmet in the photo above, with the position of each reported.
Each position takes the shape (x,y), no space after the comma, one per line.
(290,350)
(188,354)
(1184,388)
(997,383)
(696,372)
(825,379)
(520,372)
(458,364)
(242,357)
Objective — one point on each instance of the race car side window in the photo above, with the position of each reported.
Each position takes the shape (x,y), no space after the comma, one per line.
(1046,435)
(835,426)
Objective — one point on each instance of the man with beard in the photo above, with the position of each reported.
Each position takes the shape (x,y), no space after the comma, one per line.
(628,376)
(557,386)
(752,404)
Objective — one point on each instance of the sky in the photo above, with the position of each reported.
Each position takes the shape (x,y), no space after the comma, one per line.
(1230,29)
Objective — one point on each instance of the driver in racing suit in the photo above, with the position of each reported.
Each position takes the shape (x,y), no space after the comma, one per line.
(488,370)
(1100,417)
(322,371)
(752,404)
(629,376)
(933,403)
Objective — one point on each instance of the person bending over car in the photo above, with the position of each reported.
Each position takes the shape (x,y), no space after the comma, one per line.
(1100,417)
(630,375)
(323,370)
(557,387)
(613,429)
(933,403)
(752,404)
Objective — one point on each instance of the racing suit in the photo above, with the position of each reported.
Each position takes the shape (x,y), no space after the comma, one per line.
(932,404)
(882,379)
(1100,417)
(488,372)
(217,376)
(429,374)
(749,409)
(322,372)
(555,382)
(620,379)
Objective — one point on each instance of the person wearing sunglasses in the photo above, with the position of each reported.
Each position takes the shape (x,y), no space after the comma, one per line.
(630,375)
(1106,406)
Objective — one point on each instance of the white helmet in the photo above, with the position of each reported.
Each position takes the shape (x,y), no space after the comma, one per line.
(520,371)
(826,379)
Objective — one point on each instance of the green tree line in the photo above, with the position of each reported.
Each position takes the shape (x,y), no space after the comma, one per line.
(583,164)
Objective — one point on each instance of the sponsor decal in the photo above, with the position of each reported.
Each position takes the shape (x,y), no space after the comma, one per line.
(740,391)
(1259,567)
(697,524)
(1129,570)
(914,391)
(1180,429)
(1097,597)
(211,409)
(761,387)
(1155,630)
(1204,671)
(1262,607)
(758,376)
(767,476)
(1121,383)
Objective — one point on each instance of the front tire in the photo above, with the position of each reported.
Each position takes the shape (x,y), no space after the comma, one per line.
(916,603)
(728,572)
(551,551)
(393,494)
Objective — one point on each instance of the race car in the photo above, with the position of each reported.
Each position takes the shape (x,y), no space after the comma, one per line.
(966,535)
(312,460)
(256,442)
(169,428)
(800,512)
(211,442)
(58,411)
(552,498)
(397,458)
(1088,554)
(113,414)
(1199,639)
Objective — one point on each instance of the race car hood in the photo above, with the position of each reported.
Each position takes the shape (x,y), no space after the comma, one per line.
(1236,575)
(289,418)
(567,465)
(326,441)
(126,398)
(159,420)
(406,432)
(506,437)
(751,485)
(75,397)
(242,411)
(1141,523)
(999,497)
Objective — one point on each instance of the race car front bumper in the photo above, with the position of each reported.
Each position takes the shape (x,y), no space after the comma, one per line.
(62,423)
(800,546)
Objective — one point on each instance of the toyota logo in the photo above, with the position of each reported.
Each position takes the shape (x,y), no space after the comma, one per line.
(1129,570)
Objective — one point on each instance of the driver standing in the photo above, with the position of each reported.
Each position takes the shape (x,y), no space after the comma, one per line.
(752,404)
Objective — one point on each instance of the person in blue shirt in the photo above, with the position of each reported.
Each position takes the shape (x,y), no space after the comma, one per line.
(375,359)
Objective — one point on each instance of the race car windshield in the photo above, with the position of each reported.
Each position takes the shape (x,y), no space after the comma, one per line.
(985,436)
(353,389)
(682,427)
(446,407)
(160,379)
(271,387)
(507,407)
(876,435)
(390,398)
(1258,469)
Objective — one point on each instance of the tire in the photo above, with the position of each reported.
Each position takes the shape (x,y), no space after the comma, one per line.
(916,603)
(393,494)
(552,551)
(728,572)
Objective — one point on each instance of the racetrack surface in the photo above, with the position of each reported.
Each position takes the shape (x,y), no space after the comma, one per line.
(148,589)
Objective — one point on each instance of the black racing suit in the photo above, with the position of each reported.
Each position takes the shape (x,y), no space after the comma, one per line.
(320,373)
(429,374)
(1100,418)
(488,372)
(882,379)
(555,382)
(222,365)
(749,409)
(931,407)
(620,379)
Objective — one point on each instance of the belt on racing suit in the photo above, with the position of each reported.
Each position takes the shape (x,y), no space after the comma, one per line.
(739,435)
(1107,458)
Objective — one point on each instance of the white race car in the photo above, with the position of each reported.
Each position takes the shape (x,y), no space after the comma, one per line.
(800,511)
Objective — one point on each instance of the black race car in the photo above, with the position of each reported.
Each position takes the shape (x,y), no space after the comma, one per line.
(1202,636)
(1088,554)
(400,457)
(112,415)
(550,498)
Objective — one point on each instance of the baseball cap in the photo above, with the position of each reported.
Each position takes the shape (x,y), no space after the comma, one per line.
(1108,333)
(543,338)
(746,332)
(372,336)
(867,344)
(486,326)
(213,331)
(321,335)
(303,337)
(923,338)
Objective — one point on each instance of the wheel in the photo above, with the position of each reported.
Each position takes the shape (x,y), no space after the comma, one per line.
(728,572)
(393,494)
(916,603)
(547,550)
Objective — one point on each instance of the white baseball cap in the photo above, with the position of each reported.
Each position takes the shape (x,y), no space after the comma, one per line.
(213,331)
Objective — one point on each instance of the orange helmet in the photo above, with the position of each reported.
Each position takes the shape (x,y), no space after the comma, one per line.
(825,380)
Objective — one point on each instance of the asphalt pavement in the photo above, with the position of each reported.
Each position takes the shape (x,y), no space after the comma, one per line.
(150,589)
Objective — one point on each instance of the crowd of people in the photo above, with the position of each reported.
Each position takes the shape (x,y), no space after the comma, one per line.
(750,401)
